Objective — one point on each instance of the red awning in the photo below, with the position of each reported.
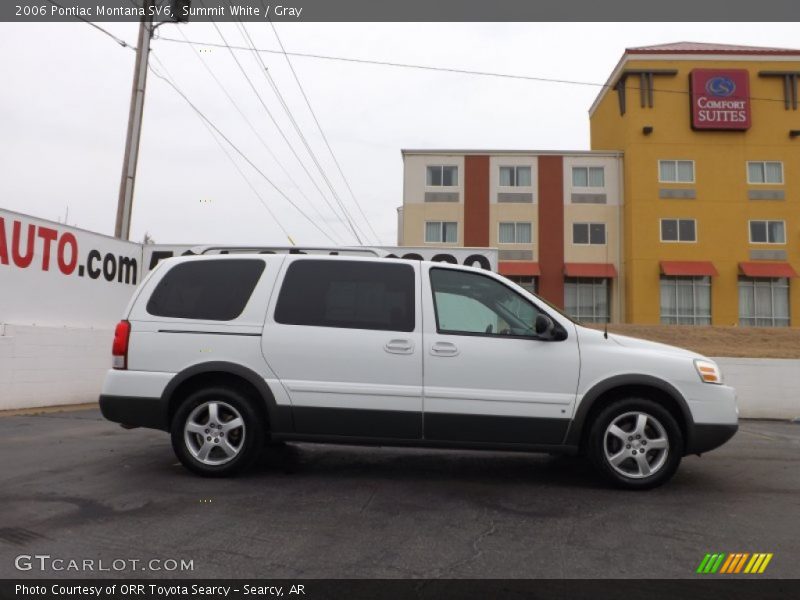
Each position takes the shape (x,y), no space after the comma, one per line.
(590,270)
(767,269)
(524,268)
(695,268)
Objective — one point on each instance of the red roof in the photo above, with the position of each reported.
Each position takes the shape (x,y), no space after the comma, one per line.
(590,270)
(703,48)
(696,268)
(524,268)
(767,269)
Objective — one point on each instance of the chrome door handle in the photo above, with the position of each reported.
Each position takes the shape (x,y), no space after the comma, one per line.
(399,347)
(444,349)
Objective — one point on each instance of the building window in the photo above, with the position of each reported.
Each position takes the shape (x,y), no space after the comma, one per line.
(676,171)
(767,232)
(763,302)
(515,233)
(678,230)
(685,300)
(527,282)
(442,176)
(515,176)
(594,177)
(764,172)
(441,232)
(589,233)
(587,299)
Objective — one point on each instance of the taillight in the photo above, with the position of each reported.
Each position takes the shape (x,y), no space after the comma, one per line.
(119,350)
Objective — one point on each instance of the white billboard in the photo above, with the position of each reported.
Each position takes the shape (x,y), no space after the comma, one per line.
(55,275)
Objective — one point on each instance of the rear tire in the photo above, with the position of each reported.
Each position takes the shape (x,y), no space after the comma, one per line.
(216,432)
(635,444)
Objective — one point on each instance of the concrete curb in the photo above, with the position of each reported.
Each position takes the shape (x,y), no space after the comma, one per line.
(39,410)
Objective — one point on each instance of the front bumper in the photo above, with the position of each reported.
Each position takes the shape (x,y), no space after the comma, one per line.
(715,414)
(704,437)
(135,411)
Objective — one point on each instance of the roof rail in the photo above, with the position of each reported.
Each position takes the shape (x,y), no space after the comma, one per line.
(332,250)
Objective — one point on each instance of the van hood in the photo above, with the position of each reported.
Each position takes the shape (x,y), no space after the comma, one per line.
(636,343)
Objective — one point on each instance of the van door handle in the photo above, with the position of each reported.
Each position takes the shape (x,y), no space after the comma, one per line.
(399,347)
(444,349)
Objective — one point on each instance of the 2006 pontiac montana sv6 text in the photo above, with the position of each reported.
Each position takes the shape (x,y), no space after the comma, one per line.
(229,352)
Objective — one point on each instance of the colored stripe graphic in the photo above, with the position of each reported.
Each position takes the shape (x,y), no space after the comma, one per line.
(711,563)
(736,562)
(765,563)
(732,563)
(726,565)
(703,563)
(718,562)
(740,564)
(753,561)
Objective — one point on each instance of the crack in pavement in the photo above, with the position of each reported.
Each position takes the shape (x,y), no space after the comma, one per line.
(477,552)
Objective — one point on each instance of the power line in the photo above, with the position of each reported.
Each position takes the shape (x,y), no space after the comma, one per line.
(453,70)
(118,40)
(357,232)
(213,127)
(355,229)
(322,133)
(238,151)
(274,121)
(230,158)
(253,129)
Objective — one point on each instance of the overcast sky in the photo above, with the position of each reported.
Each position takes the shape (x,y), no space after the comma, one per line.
(66,92)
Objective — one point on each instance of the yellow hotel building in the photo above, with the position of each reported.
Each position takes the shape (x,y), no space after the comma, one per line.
(711,217)
(699,148)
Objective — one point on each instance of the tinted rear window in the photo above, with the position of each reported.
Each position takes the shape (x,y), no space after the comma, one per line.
(210,290)
(356,295)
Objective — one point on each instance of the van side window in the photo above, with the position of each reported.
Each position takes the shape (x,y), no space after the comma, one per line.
(474,304)
(351,294)
(207,290)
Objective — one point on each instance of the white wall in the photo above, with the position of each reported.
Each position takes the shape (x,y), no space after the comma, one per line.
(767,388)
(48,366)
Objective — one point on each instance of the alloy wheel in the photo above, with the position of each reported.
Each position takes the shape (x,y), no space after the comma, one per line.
(636,445)
(214,433)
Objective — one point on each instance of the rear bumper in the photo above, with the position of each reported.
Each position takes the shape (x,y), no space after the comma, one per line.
(135,411)
(705,437)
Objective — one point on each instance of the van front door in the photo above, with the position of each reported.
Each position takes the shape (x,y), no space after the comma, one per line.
(487,376)
(344,337)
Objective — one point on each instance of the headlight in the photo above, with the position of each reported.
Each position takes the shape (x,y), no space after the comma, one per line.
(709,372)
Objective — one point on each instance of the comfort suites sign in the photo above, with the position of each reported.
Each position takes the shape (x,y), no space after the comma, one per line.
(720,99)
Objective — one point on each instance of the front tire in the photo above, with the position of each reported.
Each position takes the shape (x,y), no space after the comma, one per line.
(635,443)
(216,432)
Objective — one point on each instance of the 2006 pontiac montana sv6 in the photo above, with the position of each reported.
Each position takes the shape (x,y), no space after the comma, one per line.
(228,352)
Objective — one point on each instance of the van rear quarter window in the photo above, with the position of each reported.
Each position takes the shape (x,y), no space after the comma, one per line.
(348,294)
(208,290)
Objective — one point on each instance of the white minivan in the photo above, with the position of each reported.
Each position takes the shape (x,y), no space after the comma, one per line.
(230,352)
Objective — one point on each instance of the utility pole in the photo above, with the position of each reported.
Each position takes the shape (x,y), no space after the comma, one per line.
(122,228)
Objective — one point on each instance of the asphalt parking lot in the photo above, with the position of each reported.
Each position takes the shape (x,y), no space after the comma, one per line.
(77,487)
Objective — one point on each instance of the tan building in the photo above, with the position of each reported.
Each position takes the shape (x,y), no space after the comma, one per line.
(554,217)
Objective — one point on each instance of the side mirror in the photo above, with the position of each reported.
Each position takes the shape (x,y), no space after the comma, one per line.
(544,326)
